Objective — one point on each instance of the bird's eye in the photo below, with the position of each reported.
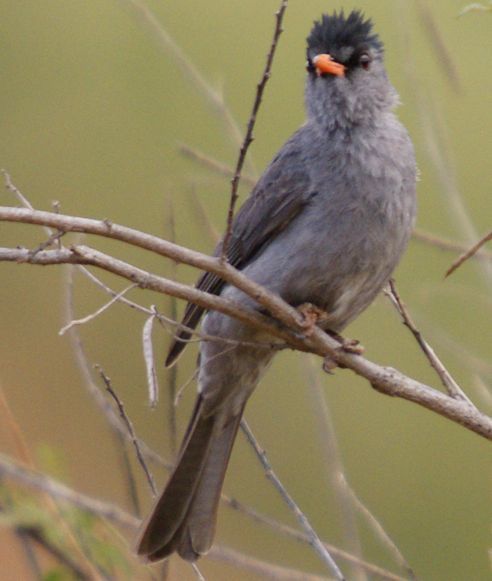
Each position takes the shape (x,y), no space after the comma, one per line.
(309,66)
(365,60)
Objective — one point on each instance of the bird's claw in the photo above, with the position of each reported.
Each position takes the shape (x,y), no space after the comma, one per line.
(348,346)
(312,315)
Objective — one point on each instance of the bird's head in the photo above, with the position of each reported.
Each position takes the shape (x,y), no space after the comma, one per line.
(346,82)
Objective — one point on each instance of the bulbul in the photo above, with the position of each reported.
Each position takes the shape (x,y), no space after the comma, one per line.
(326,224)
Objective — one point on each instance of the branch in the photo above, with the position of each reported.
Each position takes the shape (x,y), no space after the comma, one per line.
(108,229)
(449,245)
(469,253)
(384,379)
(248,138)
(56,489)
(453,389)
(314,540)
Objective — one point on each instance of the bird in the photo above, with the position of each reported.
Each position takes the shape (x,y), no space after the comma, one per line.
(325,225)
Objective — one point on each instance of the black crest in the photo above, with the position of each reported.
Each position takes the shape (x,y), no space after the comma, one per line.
(332,33)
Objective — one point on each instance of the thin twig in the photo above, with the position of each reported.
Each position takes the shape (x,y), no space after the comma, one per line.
(95,393)
(447,380)
(94,315)
(334,467)
(114,514)
(172,373)
(200,210)
(56,489)
(212,164)
(197,572)
(436,138)
(314,540)
(260,568)
(380,531)
(168,322)
(128,473)
(302,537)
(469,253)
(447,64)
(63,557)
(212,96)
(448,245)
(131,431)
(248,138)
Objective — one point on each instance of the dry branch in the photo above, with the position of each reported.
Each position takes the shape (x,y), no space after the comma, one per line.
(384,379)
(469,253)
(248,138)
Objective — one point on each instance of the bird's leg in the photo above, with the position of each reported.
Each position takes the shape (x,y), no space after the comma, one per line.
(312,316)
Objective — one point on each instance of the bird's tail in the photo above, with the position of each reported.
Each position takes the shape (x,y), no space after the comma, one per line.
(183,518)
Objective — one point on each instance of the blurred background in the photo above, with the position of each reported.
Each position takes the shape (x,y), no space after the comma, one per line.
(96,104)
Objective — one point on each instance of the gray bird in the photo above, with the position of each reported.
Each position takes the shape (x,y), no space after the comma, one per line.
(326,224)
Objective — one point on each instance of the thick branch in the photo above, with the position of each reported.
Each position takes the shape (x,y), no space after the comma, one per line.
(384,379)
(106,228)
(84,255)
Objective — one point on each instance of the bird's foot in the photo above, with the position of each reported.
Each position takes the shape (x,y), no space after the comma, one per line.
(312,316)
(348,345)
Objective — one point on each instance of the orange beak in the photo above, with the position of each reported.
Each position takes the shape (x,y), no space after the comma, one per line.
(325,64)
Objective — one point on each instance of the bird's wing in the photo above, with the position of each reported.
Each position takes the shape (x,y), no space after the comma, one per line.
(279,196)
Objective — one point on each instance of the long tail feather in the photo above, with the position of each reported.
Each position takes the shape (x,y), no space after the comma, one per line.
(183,518)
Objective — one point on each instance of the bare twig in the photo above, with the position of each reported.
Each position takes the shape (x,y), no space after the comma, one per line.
(260,568)
(94,315)
(63,557)
(171,322)
(447,380)
(443,53)
(449,245)
(302,537)
(55,489)
(469,253)
(95,393)
(23,451)
(213,164)
(212,96)
(251,123)
(114,514)
(201,211)
(172,373)
(131,431)
(379,530)
(334,467)
(436,140)
(314,540)
(89,256)
(197,572)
